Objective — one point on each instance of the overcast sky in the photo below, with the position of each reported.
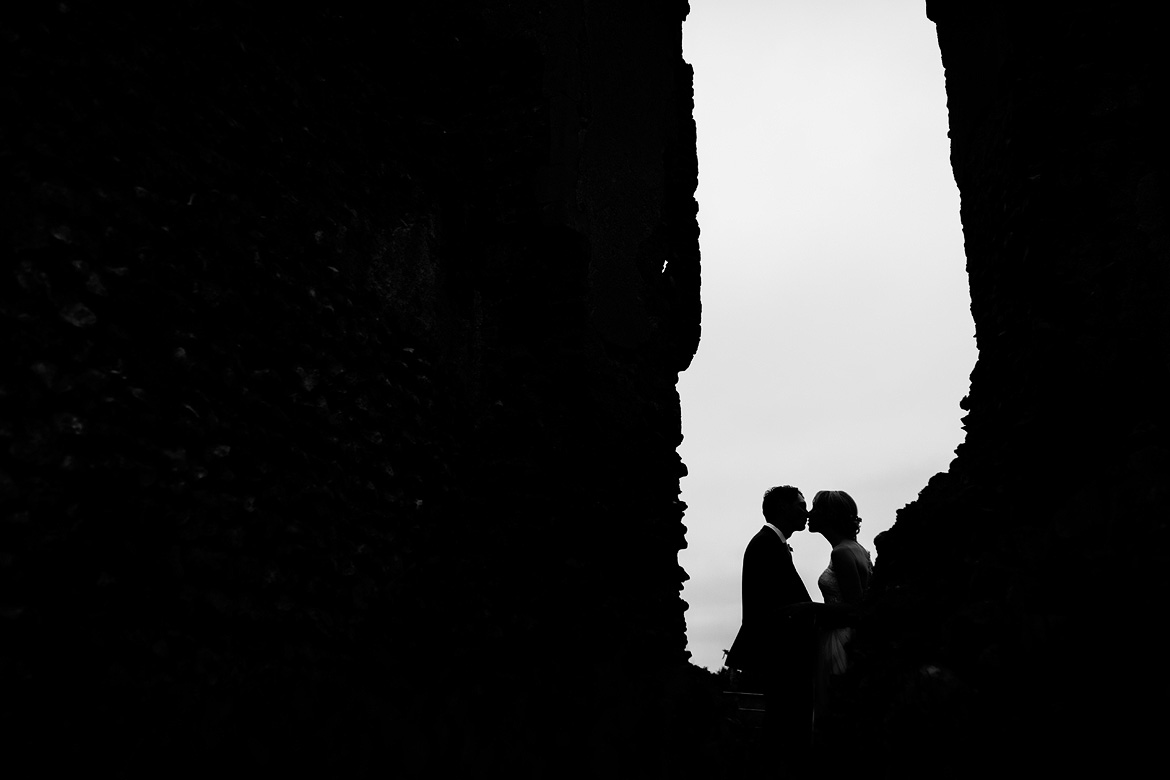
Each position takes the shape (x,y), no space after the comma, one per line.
(837,335)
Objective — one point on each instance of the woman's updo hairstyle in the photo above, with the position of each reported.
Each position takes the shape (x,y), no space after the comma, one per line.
(840,510)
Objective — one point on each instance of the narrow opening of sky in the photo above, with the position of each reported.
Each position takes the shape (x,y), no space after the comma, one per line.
(837,334)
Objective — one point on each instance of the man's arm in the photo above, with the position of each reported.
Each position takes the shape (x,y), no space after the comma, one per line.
(825,615)
(754,582)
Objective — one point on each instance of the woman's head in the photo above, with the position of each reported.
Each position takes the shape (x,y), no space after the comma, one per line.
(834,511)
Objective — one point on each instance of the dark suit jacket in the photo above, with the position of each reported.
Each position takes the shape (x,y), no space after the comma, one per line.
(768,640)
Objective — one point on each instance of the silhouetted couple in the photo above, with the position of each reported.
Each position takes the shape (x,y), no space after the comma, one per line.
(788,645)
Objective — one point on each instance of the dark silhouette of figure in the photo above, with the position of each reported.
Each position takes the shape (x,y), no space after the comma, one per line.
(775,647)
(843,584)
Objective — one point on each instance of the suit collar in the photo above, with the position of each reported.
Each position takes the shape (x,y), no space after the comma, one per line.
(778,532)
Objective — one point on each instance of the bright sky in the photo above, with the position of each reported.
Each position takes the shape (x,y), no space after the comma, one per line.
(837,335)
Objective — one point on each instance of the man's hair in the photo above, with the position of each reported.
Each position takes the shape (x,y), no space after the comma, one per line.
(777,497)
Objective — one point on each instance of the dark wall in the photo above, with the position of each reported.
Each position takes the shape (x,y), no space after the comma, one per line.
(339,412)
(1014,597)
(339,418)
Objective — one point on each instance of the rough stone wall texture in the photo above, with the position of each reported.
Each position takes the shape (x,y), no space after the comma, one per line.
(340,353)
(1015,599)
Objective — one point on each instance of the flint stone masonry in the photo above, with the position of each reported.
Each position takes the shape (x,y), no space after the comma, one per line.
(1013,603)
(339,413)
(339,416)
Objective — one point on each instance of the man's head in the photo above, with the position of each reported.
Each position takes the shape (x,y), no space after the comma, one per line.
(784,508)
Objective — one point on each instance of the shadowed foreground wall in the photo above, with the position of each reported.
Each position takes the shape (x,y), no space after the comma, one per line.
(339,417)
(1019,599)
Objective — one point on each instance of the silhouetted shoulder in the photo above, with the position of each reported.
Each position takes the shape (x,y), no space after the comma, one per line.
(766,540)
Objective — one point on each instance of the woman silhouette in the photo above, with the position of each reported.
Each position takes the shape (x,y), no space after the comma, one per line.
(843,583)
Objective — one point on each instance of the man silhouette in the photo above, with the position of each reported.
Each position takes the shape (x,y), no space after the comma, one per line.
(775,645)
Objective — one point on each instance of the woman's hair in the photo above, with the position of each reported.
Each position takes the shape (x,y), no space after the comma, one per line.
(840,510)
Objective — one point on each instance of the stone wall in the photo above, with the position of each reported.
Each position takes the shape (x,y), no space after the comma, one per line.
(339,432)
(1015,598)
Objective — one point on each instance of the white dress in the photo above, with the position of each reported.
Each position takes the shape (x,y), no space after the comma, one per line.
(831,653)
